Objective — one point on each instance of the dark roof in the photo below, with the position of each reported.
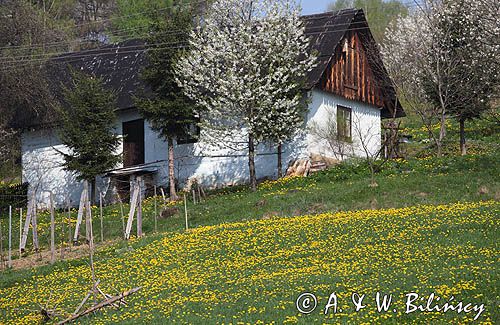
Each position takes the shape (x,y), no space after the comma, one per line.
(325,32)
(120,64)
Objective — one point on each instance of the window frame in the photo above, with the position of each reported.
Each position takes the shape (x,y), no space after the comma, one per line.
(341,135)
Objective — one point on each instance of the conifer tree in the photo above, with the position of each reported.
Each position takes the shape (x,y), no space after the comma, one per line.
(86,128)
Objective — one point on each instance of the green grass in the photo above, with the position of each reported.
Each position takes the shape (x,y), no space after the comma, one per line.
(253,272)
(250,266)
(482,136)
(345,187)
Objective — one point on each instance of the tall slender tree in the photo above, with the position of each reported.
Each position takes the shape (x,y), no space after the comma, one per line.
(168,111)
(86,127)
(466,38)
(444,57)
(234,67)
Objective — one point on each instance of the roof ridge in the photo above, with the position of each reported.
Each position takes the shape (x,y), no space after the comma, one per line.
(331,12)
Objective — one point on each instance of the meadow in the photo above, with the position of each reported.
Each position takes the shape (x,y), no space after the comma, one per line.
(430,226)
(253,272)
(344,187)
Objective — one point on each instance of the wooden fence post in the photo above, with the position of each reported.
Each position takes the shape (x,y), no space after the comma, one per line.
(81,207)
(122,215)
(139,207)
(10,237)
(163,195)
(199,193)
(133,207)
(100,210)
(2,263)
(156,211)
(34,223)
(88,223)
(27,222)
(63,235)
(69,224)
(52,230)
(186,211)
(20,229)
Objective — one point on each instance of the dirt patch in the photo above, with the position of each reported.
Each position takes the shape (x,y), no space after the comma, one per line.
(269,215)
(261,203)
(483,190)
(69,253)
(168,212)
(316,208)
(422,194)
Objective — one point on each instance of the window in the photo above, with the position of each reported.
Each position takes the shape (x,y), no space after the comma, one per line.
(344,122)
(192,137)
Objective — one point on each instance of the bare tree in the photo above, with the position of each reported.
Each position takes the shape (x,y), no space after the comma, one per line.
(367,140)
(326,133)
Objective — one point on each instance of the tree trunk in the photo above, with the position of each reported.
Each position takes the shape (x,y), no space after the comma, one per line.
(92,184)
(442,135)
(280,165)
(373,183)
(463,148)
(251,162)
(171,174)
(439,149)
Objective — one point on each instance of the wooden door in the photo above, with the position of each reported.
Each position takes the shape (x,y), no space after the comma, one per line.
(133,143)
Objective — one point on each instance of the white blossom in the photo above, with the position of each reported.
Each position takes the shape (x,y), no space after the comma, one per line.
(243,68)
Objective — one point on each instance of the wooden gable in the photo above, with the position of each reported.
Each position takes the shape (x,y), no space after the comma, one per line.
(350,73)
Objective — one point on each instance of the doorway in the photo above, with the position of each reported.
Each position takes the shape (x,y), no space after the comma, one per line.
(133,143)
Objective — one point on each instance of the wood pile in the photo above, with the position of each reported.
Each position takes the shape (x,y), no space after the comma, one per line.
(299,167)
(317,166)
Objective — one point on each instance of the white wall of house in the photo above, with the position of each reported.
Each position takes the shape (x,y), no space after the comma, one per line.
(365,128)
(42,168)
(211,168)
(42,164)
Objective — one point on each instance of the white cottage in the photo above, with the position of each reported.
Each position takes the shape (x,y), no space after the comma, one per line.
(349,87)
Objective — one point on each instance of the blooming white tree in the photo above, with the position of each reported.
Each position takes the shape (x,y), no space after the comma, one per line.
(408,53)
(245,67)
(470,42)
(443,59)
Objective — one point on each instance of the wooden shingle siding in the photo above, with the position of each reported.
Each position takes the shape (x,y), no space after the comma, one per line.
(350,75)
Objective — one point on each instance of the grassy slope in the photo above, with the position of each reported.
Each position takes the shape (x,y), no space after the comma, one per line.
(422,181)
(252,272)
(418,181)
(345,187)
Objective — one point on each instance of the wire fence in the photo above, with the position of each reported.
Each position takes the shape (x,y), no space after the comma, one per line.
(50,236)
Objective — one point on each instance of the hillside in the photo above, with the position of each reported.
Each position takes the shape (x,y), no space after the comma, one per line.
(429,227)
(344,187)
(253,272)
